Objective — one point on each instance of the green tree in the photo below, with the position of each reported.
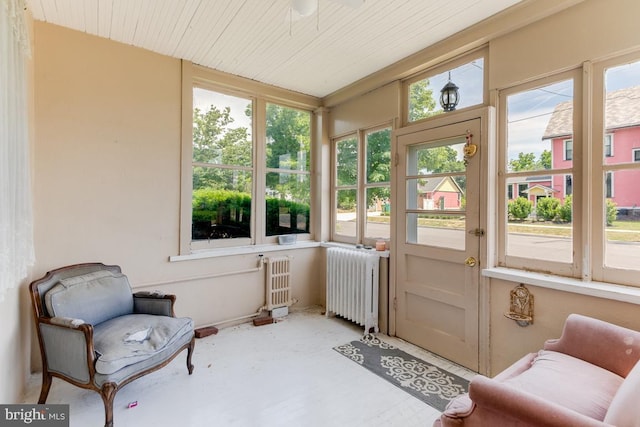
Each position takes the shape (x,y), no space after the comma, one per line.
(216,141)
(528,162)
(421,101)
(520,208)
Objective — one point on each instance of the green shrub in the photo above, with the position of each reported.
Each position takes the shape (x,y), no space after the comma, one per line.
(547,208)
(520,208)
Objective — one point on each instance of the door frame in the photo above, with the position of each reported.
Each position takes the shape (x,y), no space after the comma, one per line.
(488,222)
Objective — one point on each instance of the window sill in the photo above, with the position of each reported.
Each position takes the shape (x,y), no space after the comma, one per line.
(603,290)
(242,250)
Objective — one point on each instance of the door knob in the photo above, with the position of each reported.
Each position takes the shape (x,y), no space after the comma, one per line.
(471,261)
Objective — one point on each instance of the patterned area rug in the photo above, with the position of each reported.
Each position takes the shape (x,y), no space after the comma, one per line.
(429,383)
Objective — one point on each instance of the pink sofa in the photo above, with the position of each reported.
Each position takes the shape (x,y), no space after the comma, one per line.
(588,377)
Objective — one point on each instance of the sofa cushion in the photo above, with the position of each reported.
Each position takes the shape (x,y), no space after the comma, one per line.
(576,384)
(93,297)
(130,339)
(624,410)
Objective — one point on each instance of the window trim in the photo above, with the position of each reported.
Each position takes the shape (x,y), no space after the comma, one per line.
(635,152)
(609,136)
(565,144)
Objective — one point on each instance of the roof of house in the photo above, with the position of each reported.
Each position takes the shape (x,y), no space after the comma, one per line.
(434,184)
(622,110)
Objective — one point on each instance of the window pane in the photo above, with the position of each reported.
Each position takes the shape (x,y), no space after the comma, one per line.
(379,156)
(221,204)
(347,161)
(540,220)
(430,159)
(378,213)
(221,128)
(446,231)
(288,198)
(346,212)
(621,191)
(539,207)
(288,138)
(424,95)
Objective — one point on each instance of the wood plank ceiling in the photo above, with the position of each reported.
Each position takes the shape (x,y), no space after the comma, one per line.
(262,40)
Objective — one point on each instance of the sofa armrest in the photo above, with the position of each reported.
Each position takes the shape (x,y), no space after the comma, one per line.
(154,303)
(612,347)
(67,348)
(518,405)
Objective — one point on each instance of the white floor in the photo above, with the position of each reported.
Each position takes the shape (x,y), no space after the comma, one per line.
(283,374)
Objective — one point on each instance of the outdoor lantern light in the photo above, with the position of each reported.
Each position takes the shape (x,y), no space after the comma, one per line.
(449,96)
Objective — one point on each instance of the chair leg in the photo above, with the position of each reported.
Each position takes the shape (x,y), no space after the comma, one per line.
(192,345)
(108,393)
(46,385)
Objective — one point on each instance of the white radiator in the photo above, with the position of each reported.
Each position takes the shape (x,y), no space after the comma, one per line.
(278,283)
(352,286)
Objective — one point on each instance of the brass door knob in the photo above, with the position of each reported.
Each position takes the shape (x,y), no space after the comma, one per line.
(471,261)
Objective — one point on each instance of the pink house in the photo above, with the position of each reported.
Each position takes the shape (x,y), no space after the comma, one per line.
(621,145)
(440,193)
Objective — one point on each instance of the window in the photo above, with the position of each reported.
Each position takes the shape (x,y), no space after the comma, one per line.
(617,216)
(542,142)
(608,185)
(538,118)
(248,161)
(222,166)
(568,185)
(362,200)
(568,149)
(288,184)
(608,145)
(423,91)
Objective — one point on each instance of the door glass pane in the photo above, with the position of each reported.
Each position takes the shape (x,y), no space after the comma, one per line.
(435,188)
(446,231)
(539,206)
(346,202)
(621,191)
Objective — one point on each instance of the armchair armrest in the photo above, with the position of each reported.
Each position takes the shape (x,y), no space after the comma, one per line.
(154,303)
(67,348)
(603,344)
(524,407)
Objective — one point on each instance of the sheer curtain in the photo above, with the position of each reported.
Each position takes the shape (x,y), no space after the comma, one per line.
(16,218)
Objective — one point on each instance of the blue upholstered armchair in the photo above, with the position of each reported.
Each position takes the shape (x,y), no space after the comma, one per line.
(96,334)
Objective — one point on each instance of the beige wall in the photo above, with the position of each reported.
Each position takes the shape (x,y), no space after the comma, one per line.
(107,177)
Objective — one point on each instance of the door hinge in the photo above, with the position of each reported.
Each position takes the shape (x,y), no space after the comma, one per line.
(397,160)
(479,232)
(395,303)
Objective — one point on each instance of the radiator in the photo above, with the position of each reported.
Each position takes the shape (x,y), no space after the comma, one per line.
(352,286)
(278,283)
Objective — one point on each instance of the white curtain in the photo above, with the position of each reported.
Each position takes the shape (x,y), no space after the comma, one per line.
(16,217)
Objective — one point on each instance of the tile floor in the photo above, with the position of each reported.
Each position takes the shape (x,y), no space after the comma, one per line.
(281,375)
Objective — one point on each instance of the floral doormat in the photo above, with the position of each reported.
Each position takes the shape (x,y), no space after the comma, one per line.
(429,383)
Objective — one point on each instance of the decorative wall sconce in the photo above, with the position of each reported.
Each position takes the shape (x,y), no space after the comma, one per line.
(449,95)
(521,307)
